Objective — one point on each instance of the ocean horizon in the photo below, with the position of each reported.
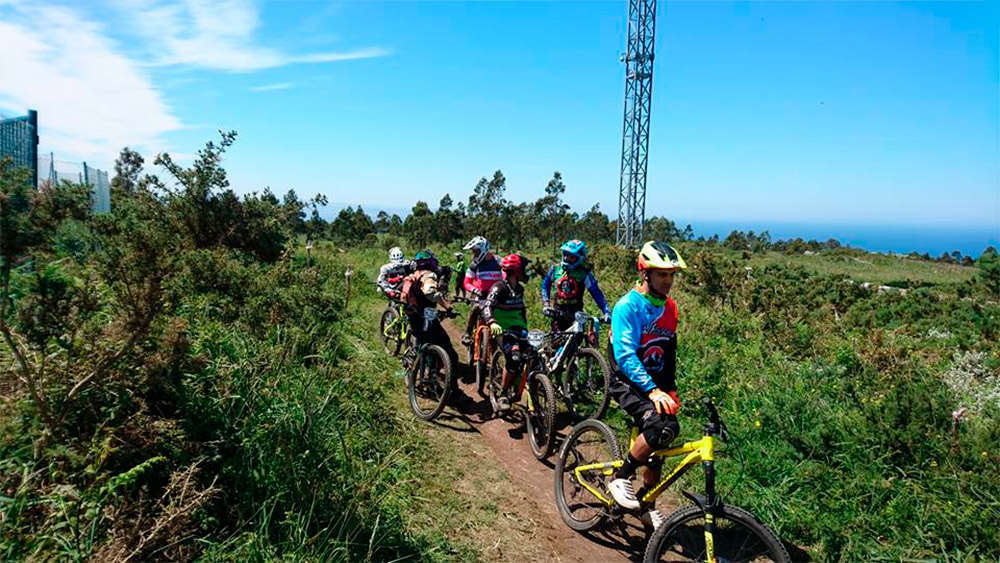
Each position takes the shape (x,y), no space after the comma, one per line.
(901,239)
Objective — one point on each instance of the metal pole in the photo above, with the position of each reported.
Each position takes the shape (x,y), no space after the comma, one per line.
(33,122)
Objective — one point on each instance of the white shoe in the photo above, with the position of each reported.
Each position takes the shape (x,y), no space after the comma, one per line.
(623,493)
(653,519)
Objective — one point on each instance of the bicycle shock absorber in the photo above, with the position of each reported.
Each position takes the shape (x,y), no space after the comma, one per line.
(710,509)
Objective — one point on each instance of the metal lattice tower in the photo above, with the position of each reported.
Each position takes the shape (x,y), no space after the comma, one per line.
(638,61)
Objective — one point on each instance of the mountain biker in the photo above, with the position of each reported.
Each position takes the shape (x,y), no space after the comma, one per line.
(424,292)
(503,309)
(390,276)
(483,272)
(644,361)
(459,274)
(569,278)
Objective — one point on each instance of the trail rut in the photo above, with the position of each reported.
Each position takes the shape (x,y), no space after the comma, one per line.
(510,448)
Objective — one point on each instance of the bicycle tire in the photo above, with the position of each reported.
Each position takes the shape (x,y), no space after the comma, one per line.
(390,342)
(439,388)
(494,382)
(541,421)
(589,396)
(739,536)
(482,364)
(590,441)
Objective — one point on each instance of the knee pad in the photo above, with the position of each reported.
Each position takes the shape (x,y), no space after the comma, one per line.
(659,430)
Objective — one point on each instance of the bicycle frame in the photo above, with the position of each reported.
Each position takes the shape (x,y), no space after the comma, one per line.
(400,318)
(529,359)
(702,450)
(564,344)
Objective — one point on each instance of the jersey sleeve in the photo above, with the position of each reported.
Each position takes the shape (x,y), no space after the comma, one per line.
(547,284)
(490,303)
(381,276)
(626,334)
(590,282)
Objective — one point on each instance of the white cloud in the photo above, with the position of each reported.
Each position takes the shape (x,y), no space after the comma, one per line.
(91,99)
(217,35)
(270,87)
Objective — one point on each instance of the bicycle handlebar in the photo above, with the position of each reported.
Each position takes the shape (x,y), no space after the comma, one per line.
(713,414)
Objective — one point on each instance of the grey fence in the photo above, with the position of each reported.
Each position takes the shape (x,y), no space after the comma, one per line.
(53,171)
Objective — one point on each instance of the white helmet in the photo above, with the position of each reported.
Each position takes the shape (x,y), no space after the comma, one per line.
(396,255)
(479,247)
(479,244)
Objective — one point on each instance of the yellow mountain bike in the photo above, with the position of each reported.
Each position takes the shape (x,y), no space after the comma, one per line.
(708,531)
(394,329)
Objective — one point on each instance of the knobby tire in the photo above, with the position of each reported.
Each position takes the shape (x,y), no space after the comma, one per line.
(541,421)
(739,537)
(590,441)
(589,395)
(435,358)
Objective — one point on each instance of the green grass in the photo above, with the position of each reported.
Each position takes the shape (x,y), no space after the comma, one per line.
(875,268)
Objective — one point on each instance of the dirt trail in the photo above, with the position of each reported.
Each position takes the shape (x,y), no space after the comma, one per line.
(510,448)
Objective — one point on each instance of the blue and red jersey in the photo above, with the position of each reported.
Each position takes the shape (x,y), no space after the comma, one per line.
(644,341)
(569,285)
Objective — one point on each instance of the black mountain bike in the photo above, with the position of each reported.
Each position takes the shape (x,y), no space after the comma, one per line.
(540,412)
(429,373)
(580,373)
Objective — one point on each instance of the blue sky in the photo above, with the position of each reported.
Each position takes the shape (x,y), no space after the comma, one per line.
(823,112)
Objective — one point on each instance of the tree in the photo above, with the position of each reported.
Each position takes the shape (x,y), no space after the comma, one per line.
(381,221)
(486,204)
(989,270)
(316,224)
(395,226)
(294,211)
(419,225)
(205,213)
(554,210)
(447,222)
(17,233)
(595,227)
(128,166)
(661,228)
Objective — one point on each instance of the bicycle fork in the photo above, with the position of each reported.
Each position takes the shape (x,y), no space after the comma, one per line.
(710,510)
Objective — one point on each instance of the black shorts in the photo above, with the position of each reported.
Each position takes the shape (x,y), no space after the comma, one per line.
(659,429)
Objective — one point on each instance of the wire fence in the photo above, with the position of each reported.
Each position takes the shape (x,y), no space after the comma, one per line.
(19,140)
(52,172)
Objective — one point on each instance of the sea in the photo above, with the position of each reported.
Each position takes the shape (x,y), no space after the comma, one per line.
(935,240)
(901,239)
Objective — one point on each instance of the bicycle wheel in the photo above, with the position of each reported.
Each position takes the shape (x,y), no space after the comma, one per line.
(587,380)
(389,331)
(591,441)
(738,537)
(494,380)
(429,383)
(482,364)
(541,418)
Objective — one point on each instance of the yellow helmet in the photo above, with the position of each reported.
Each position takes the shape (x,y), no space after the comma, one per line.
(660,256)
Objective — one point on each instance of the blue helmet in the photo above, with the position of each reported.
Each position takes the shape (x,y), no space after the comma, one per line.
(574,253)
(425,260)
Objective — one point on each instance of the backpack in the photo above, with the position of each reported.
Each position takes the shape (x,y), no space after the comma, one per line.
(407,294)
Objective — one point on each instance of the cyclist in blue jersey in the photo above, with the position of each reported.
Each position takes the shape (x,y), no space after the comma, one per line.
(569,278)
(644,361)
